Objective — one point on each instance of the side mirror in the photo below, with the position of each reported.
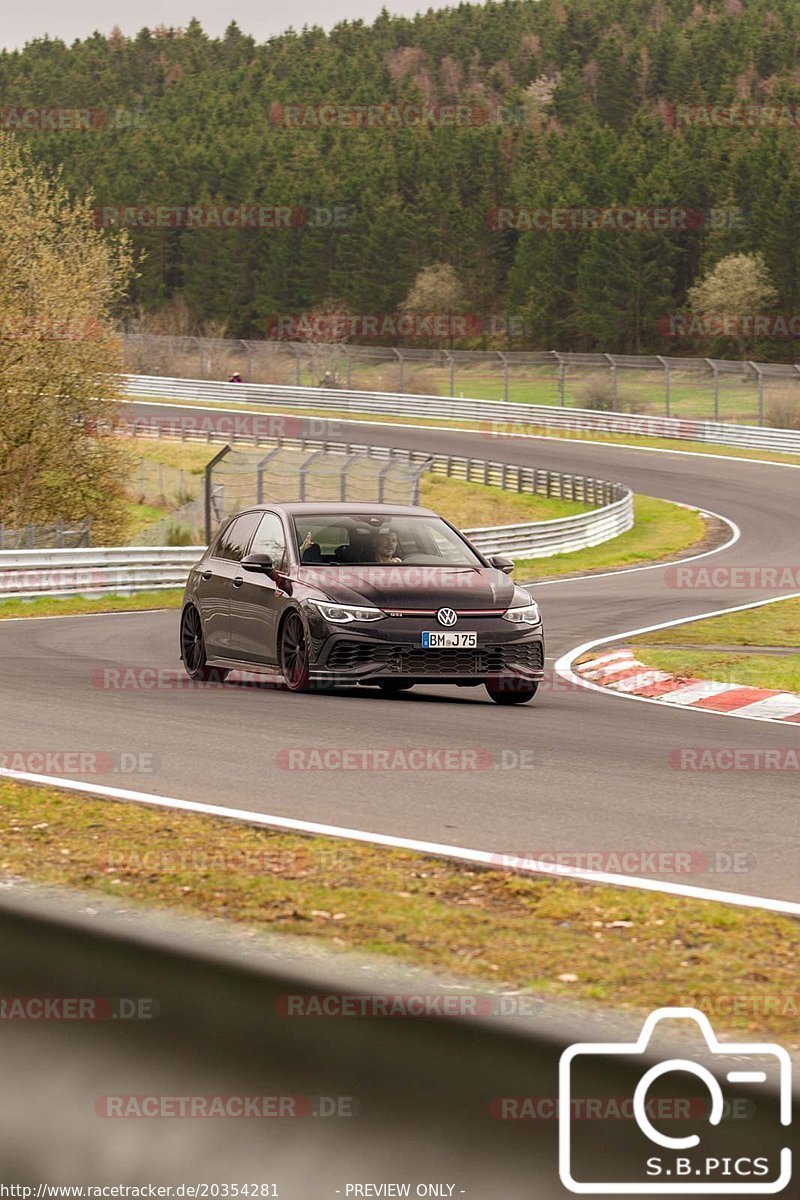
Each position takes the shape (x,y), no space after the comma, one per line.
(261,563)
(502,563)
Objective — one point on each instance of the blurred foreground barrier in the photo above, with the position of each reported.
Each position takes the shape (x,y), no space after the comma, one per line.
(461,1102)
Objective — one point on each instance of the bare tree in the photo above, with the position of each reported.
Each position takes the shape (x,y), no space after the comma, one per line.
(436,296)
(738,287)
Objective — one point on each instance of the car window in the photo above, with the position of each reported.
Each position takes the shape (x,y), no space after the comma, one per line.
(216,549)
(369,538)
(270,539)
(236,538)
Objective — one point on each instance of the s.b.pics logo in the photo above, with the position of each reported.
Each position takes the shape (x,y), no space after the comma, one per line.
(685,1133)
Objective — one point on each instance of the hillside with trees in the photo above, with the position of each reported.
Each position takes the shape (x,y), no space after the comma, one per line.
(578,101)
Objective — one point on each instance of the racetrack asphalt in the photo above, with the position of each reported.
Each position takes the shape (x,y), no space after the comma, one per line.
(574,773)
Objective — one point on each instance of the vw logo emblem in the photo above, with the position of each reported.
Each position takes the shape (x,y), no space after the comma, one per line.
(446,617)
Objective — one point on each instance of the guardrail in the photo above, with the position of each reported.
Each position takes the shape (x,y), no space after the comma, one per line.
(467,1101)
(498,418)
(25,574)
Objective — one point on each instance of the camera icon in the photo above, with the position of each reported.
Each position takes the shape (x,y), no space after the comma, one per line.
(672,1164)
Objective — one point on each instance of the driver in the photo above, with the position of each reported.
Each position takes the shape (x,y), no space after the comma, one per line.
(386,547)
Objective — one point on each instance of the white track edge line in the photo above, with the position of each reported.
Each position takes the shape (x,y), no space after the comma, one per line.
(563,665)
(485,858)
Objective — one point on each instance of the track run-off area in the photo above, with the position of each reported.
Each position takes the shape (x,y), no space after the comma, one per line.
(578,776)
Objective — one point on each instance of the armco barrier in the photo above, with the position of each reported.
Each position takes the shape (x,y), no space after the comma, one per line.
(411,1101)
(95,571)
(498,419)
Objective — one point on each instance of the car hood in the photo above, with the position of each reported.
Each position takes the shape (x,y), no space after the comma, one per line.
(403,586)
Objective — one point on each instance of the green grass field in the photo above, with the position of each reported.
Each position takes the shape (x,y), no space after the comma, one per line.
(711,649)
(661,531)
(691,395)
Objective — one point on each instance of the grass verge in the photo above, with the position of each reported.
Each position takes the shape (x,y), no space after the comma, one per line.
(708,649)
(550,937)
(661,531)
(66,606)
(756,670)
(474,505)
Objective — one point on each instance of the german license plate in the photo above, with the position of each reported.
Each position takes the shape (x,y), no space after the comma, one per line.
(449,640)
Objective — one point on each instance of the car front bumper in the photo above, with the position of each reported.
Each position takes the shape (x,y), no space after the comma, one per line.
(392,650)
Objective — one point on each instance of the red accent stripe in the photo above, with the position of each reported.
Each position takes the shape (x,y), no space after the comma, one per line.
(460,612)
(794,719)
(738,698)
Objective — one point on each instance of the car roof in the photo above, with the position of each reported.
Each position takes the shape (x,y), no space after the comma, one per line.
(348,508)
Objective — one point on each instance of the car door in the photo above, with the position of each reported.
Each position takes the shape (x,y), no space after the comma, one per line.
(216,578)
(256,599)
(212,593)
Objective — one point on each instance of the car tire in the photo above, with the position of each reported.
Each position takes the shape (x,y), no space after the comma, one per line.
(511,692)
(390,686)
(193,650)
(293,653)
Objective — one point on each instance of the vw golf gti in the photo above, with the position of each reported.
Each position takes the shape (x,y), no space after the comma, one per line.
(342,595)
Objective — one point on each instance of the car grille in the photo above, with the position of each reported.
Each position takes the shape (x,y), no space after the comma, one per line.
(346,656)
(410,660)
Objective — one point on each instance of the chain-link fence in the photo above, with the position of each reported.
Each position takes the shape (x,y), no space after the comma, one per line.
(179,492)
(238,478)
(58,536)
(698,388)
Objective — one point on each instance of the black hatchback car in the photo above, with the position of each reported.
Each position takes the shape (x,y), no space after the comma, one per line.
(344,594)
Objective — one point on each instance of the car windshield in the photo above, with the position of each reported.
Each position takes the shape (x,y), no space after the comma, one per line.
(338,539)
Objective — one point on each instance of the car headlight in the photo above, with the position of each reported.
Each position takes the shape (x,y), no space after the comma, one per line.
(527,614)
(343,614)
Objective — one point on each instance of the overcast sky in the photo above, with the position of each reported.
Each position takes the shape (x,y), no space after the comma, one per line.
(35,18)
